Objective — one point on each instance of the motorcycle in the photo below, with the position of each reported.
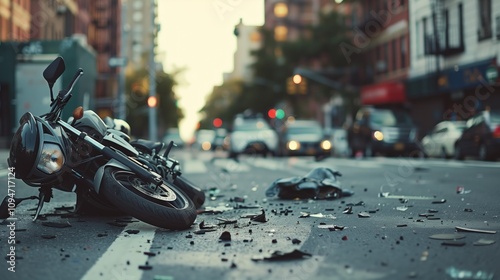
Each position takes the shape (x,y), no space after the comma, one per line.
(47,152)
(156,156)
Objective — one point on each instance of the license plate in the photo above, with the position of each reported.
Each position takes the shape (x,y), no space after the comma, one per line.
(311,151)
(399,146)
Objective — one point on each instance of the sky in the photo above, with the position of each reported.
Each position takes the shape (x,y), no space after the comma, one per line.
(198,35)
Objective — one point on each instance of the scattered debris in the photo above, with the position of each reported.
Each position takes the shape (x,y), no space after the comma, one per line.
(132,231)
(225,236)
(453,243)
(145,267)
(64,208)
(332,227)
(319,183)
(441,201)
(237,199)
(344,237)
(47,236)
(348,210)
(151,254)
(215,210)
(116,224)
(224,221)
(461,190)
(281,256)
(363,215)
(447,236)
(206,226)
(260,218)
(203,231)
(402,208)
(402,225)
(433,211)
(56,225)
(483,242)
(296,241)
(468,210)
(475,230)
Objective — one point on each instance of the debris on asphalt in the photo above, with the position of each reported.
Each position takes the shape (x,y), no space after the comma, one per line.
(453,243)
(116,224)
(348,210)
(483,242)
(447,236)
(402,208)
(150,254)
(462,190)
(203,231)
(132,231)
(47,236)
(475,230)
(296,241)
(223,221)
(456,273)
(468,210)
(282,256)
(319,183)
(145,267)
(345,238)
(56,225)
(441,201)
(237,199)
(364,215)
(214,210)
(225,236)
(331,227)
(206,226)
(260,218)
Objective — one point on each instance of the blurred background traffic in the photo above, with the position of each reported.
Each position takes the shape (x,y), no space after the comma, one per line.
(318,78)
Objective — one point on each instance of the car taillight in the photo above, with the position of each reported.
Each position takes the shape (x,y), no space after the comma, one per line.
(496,132)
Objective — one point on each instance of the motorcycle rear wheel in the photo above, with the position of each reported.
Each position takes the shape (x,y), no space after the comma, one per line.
(165,206)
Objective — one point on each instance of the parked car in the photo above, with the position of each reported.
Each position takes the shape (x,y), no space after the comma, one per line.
(203,139)
(440,142)
(382,129)
(251,135)
(304,138)
(220,141)
(481,137)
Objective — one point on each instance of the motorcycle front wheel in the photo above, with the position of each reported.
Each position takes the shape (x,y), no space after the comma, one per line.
(164,206)
(189,188)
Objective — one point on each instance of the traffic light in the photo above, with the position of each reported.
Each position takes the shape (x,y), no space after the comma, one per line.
(217,122)
(280,114)
(271,113)
(152,101)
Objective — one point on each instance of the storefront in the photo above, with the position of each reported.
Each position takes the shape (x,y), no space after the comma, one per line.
(455,93)
(383,93)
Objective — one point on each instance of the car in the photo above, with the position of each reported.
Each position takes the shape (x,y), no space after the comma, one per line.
(440,142)
(304,138)
(252,135)
(480,138)
(203,139)
(220,140)
(387,130)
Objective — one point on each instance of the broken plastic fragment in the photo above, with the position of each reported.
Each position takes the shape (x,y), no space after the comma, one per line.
(260,218)
(281,256)
(441,201)
(225,236)
(132,231)
(47,236)
(224,221)
(483,242)
(453,243)
(296,241)
(401,208)
(206,226)
(363,215)
(447,236)
(475,230)
(347,210)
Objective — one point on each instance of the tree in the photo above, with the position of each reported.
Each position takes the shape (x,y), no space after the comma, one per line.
(168,113)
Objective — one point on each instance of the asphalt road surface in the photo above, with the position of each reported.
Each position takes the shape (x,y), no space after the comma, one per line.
(403,203)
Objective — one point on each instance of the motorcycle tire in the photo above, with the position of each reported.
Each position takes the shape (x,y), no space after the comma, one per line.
(190,189)
(169,208)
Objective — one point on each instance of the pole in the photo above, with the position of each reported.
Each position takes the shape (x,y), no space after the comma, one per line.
(152,76)
(123,48)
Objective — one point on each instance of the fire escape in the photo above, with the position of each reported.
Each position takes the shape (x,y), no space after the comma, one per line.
(446,37)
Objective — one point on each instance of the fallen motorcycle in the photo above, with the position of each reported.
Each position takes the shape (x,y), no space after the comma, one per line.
(155,155)
(48,153)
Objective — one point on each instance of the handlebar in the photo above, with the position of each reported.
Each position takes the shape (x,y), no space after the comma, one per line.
(63,96)
(77,75)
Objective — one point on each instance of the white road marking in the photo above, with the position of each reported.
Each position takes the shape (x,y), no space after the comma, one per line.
(122,259)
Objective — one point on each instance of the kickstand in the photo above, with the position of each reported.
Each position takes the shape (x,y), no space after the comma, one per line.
(45,194)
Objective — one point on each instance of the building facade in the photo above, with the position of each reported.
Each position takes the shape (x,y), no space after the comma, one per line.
(15,20)
(454,59)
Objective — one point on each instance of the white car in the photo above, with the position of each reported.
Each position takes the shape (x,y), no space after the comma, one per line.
(252,136)
(440,142)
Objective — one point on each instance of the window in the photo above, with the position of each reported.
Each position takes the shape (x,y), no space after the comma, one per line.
(404,51)
(484,31)
(394,57)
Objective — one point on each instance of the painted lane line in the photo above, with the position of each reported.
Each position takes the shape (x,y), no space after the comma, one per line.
(122,259)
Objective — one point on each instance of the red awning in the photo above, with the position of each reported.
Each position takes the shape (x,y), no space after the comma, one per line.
(383,93)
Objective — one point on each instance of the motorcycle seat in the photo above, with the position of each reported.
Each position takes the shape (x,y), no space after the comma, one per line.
(147,145)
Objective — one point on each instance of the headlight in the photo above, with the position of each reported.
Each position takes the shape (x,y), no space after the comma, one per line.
(51,158)
(205,146)
(293,145)
(378,135)
(326,145)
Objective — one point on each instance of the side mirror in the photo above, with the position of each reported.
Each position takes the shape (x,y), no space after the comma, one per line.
(54,71)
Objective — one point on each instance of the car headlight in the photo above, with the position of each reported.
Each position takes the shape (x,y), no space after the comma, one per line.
(293,145)
(51,158)
(378,135)
(326,145)
(205,146)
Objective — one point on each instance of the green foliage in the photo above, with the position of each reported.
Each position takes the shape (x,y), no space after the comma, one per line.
(137,91)
(275,62)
